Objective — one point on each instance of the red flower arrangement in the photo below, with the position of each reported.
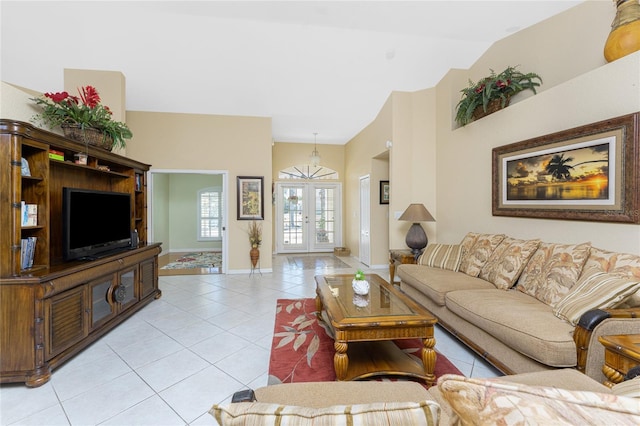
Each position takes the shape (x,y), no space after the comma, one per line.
(60,109)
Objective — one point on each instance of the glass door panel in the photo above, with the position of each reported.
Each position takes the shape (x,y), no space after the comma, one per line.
(308,217)
(293,230)
(324,217)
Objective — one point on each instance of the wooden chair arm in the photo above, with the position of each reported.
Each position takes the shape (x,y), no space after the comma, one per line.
(584,329)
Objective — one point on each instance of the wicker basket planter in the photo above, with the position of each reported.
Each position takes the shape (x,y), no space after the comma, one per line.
(89,135)
(341,251)
(493,106)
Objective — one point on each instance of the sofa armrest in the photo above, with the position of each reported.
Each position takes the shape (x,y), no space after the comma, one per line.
(590,352)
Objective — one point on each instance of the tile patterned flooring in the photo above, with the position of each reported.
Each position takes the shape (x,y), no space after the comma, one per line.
(206,338)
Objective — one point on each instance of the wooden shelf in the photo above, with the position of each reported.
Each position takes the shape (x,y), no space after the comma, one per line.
(89,168)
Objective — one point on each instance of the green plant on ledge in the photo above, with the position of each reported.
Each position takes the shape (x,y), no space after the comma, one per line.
(60,109)
(493,93)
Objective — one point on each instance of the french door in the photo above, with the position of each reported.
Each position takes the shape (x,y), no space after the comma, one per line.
(308,217)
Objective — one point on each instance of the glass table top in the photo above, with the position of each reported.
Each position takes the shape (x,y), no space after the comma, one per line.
(380,301)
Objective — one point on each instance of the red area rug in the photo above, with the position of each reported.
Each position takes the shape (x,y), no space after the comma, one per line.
(302,348)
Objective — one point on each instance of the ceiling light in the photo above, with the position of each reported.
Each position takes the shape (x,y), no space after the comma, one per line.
(315,155)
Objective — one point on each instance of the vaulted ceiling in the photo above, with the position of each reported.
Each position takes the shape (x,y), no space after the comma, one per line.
(313,66)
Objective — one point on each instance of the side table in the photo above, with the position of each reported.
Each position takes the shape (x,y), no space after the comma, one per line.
(621,353)
(400,257)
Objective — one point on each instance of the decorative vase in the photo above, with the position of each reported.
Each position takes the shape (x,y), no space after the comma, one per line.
(360,287)
(493,106)
(625,31)
(88,135)
(254,254)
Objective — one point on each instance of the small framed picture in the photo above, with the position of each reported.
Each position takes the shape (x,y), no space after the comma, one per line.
(250,198)
(384,192)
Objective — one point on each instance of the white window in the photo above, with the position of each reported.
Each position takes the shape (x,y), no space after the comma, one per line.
(210,214)
(307,171)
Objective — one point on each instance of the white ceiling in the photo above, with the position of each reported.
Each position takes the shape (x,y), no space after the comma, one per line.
(313,66)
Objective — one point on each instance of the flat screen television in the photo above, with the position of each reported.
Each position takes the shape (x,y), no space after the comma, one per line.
(94,223)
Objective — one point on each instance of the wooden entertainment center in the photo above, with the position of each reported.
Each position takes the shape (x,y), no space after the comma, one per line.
(54,309)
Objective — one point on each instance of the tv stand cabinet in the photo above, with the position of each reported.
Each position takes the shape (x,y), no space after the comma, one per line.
(53,309)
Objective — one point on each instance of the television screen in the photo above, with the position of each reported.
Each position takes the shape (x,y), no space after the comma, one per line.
(94,223)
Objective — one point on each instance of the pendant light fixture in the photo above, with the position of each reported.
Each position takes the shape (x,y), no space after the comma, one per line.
(315,155)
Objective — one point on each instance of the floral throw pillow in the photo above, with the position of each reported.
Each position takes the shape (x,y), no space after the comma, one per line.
(507,262)
(482,402)
(479,253)
(618,263)
(553,270)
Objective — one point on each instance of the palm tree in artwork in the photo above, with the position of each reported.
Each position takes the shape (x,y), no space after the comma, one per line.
(559,168)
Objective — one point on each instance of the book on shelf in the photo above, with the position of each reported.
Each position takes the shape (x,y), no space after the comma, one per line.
(56,155)
(29,214)
(27,252)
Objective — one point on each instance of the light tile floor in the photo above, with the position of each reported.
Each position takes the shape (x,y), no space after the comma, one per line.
(206,338)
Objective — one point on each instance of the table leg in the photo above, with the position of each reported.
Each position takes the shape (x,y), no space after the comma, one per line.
(340,359)
(319,305)
(429,360)
(392,270)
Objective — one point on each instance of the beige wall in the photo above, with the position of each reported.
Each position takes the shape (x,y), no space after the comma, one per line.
(287,154)
(365,155)
(240,146)
(449,168)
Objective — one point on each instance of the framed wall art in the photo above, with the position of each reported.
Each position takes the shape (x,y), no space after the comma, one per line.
(586,173)
(384,192)
(250,198)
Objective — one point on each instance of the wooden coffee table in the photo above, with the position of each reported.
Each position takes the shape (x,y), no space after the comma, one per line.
(365,327)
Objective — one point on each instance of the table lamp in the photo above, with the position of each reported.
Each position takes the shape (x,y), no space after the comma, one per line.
(416,237)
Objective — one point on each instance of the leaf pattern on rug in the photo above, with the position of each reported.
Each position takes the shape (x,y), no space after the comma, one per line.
(302,348)
(298,330)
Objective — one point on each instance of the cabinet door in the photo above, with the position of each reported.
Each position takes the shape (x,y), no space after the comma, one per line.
(66,324)
(126,292)
(102,307)
(148,277)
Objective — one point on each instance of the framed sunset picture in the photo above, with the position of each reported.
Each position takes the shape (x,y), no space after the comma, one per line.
(586,173)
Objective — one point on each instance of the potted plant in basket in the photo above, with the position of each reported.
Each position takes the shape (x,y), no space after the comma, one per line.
(82,118)
(493,93)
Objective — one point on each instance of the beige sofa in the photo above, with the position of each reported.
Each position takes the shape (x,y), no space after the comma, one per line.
(527,305)
(564,396)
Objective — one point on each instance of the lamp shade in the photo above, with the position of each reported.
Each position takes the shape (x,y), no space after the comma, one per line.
(417,213)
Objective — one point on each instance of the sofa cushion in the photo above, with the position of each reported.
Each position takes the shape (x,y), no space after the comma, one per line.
(481,402)
(553,270)
(473,260)
(518,320)
(507,262)
(618,263)
(435,283)
(596,291)
(381,413)
(442,256)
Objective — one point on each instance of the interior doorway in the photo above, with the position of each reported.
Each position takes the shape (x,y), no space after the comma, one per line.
(308,217)
(187,212)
